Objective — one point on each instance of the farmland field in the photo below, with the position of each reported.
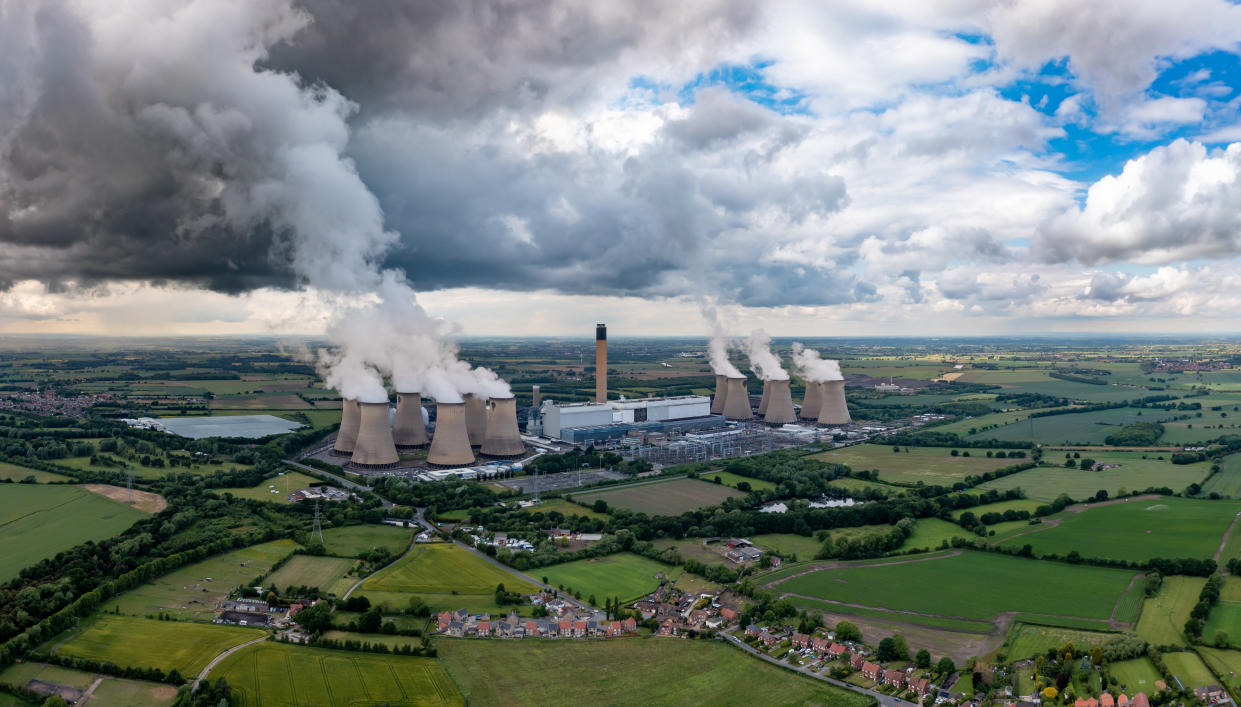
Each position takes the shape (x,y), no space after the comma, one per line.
(1164,615)
(1187,666)
(1020,504)
(115,692)
(15,473)
(996,583)
(932,465)
(1045,483)
(1227,482)
(1136,675)
(1226,663)
(930,534)
(623,575)
(665,498)
(353,540)
(787,544)
(564,508)
(446,576)
(627,671)
(693,547)
(148,643)
(996,419)
(731,480)
(1138,529)
(1032,381)
(1077,428)
(37,521)
(275,674)
(1226,617)
(1029,640)
(284,485)
(192,592)
(310,571)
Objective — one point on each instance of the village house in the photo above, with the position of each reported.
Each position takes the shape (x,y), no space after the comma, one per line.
(1122,700)
(1210,694)
(698,617)
(669,628)
(872,671)
(456,628)
(484,629)
(801,640)
(1140,700)
(895,678)
(615,629)
(579,629)
(566,629)
(729,614)
(856,661)
(1106,700)
(752,630)
(629,625)
(837,649)
(646,608)
(922,686)
(768,638)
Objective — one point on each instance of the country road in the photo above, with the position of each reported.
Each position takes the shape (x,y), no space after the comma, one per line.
(885,700)
(203,675)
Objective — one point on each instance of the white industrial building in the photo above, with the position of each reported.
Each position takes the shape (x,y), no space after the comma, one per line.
(559,421)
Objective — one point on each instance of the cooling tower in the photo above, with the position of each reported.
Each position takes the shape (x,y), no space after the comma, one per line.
(475,419)
(450,447)
(374,448)
(350,415)
(832,408)
(810,403)
(780,404)
(721,393)
(762,404)
(538,397)
(408,430)
(503,441)
(737,403)
(601,363)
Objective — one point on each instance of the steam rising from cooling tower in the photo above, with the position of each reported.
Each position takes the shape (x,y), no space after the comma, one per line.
(375,448)
(812,367)
(450,447)
(737,402)
(762,361)
(762,403)
(408,429)
(779,404)
(812,401)
(718,347)
(832,409)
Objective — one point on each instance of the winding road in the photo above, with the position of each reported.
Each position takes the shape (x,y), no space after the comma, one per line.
(203,675)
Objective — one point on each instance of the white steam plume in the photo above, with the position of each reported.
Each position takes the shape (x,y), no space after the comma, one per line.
(765,364)
(813,368)
(720,342)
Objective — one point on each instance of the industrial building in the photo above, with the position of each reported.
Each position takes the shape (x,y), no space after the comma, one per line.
(580,423)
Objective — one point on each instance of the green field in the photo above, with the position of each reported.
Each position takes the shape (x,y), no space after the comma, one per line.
(193,592)
(1226,617)
(1134,474)
(627,671)
(693,548)
(17,473)
(971,425)
(310,571)
(1028,640)
(282,485)
(860,485)
(111,692)
(930,534)
(1136,675)
(1138,530)
(931,465)
(1019,504)
(731,480)
(276,674)
(996,583)
(1032,381)
(624,575)
(1164,615)
(787,544)
(1189,668)
(962,625)
(36,522)
(663,498)
(147,643)
(1227,482)
(354,540)
(1080,427)
(21,673)
(563,507)
(1225,663)
(445,576)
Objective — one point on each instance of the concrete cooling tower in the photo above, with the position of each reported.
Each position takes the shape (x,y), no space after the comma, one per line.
(450,447)
(810,403)
(503,440)
(721,394)
(350,415)
(832,407)
(737,404)
(374,448)
(780,404)
(408,430)
(475,419)
(762,404)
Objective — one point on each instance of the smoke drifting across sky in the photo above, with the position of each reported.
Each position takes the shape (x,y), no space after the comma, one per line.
(765,364)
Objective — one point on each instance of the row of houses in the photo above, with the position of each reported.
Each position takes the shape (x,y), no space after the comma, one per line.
(678,611)
(462,624)
(1121,700)
(827,649)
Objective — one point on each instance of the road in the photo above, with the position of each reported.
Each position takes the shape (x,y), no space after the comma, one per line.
(885,700)
(203,675)
(339,479)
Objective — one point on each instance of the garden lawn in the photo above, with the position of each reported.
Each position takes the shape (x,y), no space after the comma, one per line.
(1047,483)
(971,585)
(623,575)
(1164,615)
(1136,675)
(1138,530)
(355,540)
(280,674)
(275,489)
(663,498)
(731,480)
(932,465)
(38,521)
(627,671)
(310,571)
(1028,640)
(442,568)
(147,643)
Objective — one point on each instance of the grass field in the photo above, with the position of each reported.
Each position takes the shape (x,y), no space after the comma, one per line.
(1077,428)
(167,645)
(1187,666)
(1138,530)
(996,583)
(21,673)
(275,674)
(1227,482)
(443,568)
(663,498)
(932,465)
(859,485)
(1046,483)
(627,671)
(624,575)
(964,625)
(353,540)
(692,547)
(997,419)
(36,522)
(732,480)
(1137,675)
(310,571)
(291,480)
(111,692)
(565,508)
(192,593)
(1225,663)
(1226,617)
(930,534)
(786,544)
(1020,504)
(1164,615)
(1028,640)
(17,473)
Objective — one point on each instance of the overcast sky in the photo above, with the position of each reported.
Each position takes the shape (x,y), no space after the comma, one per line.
(943,168)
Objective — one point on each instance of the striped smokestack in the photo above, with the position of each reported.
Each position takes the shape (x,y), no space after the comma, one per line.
(374,448)
(450,447)
(350,416)
(601,363)
(721,394)
(537,397)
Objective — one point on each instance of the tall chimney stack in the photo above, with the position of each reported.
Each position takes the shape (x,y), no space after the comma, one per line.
(538,397)
(408,429)
(374,449)
(762,404)
(503,440)
(347,437)
(475,419)
(450,447)
(811,402)
(721,394)
(601,363)
(737,404)
(780,404)
(832,407)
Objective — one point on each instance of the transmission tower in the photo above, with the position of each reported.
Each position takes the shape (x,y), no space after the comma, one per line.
(318,531)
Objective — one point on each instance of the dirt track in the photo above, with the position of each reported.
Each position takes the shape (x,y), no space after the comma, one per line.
(143,500)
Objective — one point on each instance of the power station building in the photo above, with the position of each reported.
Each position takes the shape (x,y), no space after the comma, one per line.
(579,423)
